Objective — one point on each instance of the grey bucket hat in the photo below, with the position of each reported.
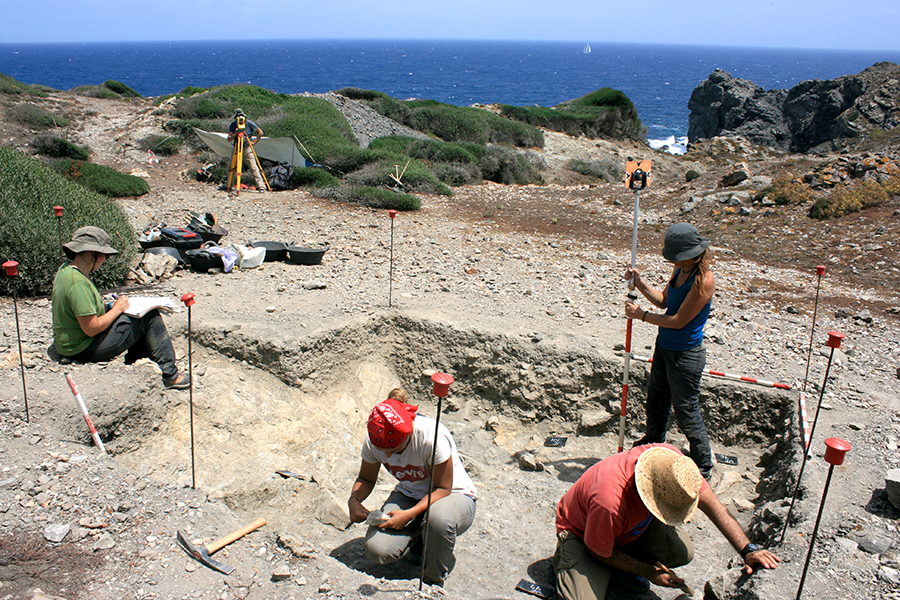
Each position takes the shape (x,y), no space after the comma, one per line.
(89,239)
(683,242)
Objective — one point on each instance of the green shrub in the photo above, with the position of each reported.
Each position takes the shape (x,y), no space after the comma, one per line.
(766,191)
(103,180)
(604,113)
(37,117)
(503,165)
(691,175)
(10,86)
(120,89)
(312,177)
(457,174)
(29,230)
(168,145)
(201,107)
(854,198)
(95,91)
(358,94)
(466,124)
(55,147)
(414,175)
(451,123)
(605,170)
(789,190)
(378,198)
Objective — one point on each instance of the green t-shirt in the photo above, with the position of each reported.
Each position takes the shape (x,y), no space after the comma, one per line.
(73,296)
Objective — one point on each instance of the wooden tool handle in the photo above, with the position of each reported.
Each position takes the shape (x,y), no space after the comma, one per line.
(231,537)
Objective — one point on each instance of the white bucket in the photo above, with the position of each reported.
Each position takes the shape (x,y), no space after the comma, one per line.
(248,258)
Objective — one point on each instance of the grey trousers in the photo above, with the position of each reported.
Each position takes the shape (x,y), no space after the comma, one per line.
(449,518)
(581,576)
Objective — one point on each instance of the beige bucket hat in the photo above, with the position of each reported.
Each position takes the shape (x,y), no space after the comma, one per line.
(668,484)
(89,239)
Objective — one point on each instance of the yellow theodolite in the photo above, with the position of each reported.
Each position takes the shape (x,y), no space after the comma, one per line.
(237,156)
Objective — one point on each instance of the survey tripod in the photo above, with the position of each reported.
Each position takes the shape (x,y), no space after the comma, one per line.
(237,157)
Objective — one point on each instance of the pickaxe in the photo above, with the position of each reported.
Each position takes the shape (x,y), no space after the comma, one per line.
(202,554)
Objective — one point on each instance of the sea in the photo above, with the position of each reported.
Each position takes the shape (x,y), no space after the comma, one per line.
(658,78)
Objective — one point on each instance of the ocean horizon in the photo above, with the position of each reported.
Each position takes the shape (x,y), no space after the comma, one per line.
(657,78)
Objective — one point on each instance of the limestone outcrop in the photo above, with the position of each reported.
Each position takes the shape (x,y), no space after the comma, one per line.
(812,116)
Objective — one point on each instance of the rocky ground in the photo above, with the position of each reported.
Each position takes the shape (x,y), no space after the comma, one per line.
(517,292)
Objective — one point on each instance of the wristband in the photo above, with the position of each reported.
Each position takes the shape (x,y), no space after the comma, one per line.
(354,497)
(748,549)
(644,316)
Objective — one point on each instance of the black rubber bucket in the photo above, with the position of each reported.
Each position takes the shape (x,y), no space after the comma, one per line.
(305,256)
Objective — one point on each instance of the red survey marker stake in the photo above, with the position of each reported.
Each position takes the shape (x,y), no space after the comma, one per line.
(189,301)
(11,268)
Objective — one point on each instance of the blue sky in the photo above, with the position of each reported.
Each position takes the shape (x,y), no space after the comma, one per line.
(855,25)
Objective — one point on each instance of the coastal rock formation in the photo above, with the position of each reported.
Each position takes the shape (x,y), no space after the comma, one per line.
(810,117)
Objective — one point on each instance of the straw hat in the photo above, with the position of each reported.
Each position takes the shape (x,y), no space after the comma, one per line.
(669,484)
(89,239)
(683,242)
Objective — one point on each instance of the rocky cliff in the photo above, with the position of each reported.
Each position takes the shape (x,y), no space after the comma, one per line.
(810,117)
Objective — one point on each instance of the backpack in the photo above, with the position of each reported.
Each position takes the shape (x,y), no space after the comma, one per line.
(279,175)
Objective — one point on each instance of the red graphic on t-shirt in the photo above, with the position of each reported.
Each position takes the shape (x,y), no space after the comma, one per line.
(408,472)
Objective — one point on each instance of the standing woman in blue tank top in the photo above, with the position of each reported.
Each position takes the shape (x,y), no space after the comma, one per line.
(679,357)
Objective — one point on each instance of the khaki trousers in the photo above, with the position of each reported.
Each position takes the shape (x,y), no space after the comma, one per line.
(581,576)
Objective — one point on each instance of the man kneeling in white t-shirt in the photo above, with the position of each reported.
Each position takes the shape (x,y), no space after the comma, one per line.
(403,443)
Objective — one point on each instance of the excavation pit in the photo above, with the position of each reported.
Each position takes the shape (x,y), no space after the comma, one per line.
(268,401)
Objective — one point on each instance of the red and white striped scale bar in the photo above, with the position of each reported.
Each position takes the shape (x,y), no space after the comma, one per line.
(774,384)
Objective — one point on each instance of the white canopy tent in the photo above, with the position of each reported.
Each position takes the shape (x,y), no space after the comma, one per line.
(281,149)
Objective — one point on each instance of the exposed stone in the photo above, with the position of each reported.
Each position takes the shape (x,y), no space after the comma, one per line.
(872,543)
(104,542)
(528,462)
(892,483)
(331,511)
(281,572)
(592,419)
(56,532)
(733,178)
(809,117)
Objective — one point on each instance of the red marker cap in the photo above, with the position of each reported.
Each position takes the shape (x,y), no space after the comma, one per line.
(188,299)
(820,270)
(11,268)
(58,210)
(442,383)
(392,213)
(835,449)
(834,339)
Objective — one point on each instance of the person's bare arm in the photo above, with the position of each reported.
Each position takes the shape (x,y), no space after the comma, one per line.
(711,506)
(362,487)
(91,325)
(690,308)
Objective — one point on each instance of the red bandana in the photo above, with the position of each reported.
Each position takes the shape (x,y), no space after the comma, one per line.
(390,423)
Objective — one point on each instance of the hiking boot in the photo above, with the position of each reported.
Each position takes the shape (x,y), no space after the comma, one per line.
(181,381)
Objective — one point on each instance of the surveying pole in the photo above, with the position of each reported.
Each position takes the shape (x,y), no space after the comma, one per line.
(237,156)
(637,177)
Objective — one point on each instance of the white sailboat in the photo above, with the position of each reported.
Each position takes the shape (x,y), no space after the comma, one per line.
(587,48)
